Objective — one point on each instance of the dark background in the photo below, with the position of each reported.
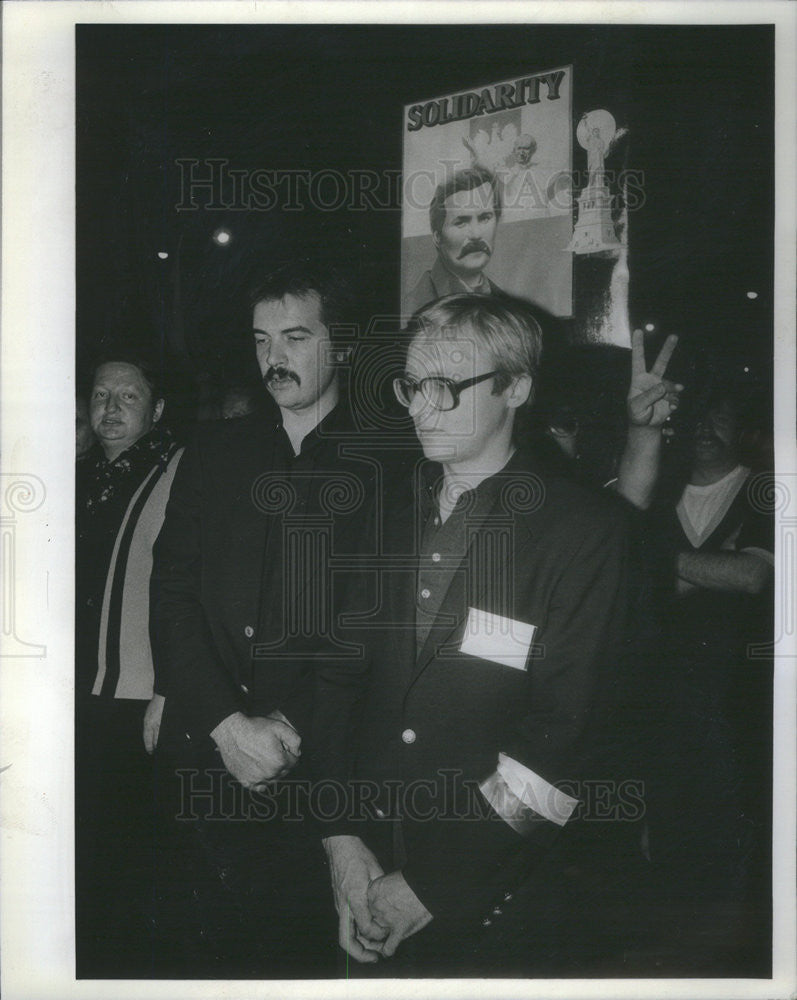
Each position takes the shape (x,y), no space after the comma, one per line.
(698,102)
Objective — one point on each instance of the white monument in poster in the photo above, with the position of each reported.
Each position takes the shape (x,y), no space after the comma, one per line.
(594,231)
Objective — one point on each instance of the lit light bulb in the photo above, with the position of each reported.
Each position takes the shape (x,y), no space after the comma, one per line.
(752,295)
(650,327)
(163,255)
(222,237)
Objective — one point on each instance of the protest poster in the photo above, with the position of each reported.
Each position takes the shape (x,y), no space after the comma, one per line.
(519,133)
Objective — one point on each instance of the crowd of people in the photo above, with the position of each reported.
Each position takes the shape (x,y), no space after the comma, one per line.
(467,692)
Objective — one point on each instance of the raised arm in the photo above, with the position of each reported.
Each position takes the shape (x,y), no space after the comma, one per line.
(650,401)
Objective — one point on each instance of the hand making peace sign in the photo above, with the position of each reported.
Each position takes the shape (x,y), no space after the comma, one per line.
(651,398)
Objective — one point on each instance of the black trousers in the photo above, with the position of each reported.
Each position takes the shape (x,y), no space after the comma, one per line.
(115,822)
(244,890)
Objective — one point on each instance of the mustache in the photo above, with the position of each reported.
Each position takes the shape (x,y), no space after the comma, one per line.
(279,371)
(474,246)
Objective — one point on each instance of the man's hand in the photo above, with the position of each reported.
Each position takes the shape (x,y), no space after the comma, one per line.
(395,906)
(256,750)
(651,398)
(152,722)
(650,401)
(353,867)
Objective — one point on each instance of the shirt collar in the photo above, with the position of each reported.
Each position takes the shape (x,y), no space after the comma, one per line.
(338,422)
(156,443)
(482,287)
(455,284)
(740,472)
(482,497)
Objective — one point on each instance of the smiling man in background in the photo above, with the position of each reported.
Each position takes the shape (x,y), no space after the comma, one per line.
(122,485)
(719,537)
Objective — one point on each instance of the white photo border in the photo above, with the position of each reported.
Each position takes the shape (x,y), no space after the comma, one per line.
(38,355)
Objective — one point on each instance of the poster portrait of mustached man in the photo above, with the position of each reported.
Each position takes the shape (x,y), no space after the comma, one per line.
(487,199)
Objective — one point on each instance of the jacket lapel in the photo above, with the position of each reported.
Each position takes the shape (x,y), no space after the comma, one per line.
(449,618)
(249,465)
(398,585)
(483,580)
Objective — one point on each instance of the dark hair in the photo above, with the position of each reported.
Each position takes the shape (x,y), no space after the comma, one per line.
(582,392)
(718,396)
(305,276)
(464,180)
(151,375)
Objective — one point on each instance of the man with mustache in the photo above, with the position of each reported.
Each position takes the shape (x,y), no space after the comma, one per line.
(241,597)
(720,556)
(463,216)
(714,840)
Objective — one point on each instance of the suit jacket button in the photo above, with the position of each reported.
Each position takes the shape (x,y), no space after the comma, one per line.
(249,631)
(409,736)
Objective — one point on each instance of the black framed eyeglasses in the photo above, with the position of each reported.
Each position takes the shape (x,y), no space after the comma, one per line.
(438,392)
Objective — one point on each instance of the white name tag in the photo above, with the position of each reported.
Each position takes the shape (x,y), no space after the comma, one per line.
(502,640)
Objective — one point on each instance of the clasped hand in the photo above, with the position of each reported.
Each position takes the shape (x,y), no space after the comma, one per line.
(395,907)
(257,750)
(376,911)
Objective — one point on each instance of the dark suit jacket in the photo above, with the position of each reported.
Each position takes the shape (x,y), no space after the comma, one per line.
(437,282)
(549,554)
(247,563)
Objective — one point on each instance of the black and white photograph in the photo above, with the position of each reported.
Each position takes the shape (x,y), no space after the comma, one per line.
(414,601)
(513,141)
